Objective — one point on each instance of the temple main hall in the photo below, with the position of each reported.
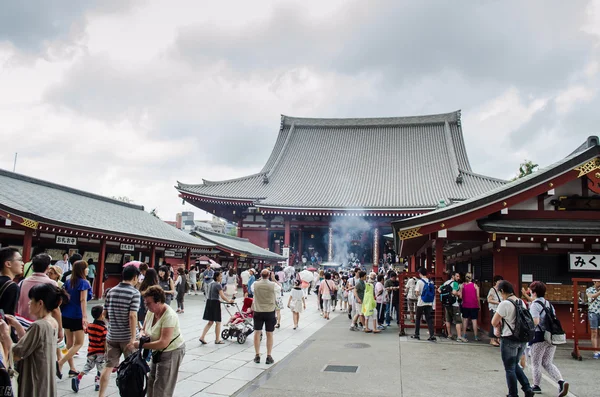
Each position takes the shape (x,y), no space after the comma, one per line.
(331,187)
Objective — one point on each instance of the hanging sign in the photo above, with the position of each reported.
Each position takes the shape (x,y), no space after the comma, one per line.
(127,247)
(169,254)
(66,240)
(286,252)
(584,262)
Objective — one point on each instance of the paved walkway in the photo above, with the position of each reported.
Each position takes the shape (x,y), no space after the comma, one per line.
(215,370)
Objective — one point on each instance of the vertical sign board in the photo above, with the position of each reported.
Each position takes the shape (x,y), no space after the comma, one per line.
(584,262)
(286,253)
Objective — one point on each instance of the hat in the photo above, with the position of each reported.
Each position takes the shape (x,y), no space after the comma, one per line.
(57,269)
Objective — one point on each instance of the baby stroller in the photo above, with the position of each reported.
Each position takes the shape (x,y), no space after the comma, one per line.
(240,324)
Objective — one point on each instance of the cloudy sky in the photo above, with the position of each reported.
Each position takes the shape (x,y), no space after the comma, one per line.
(125,97)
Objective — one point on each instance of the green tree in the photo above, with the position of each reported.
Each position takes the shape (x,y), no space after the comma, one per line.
(527,167)
(233,232)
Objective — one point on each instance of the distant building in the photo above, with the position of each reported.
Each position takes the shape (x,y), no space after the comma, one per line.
(172,223)
(185,221)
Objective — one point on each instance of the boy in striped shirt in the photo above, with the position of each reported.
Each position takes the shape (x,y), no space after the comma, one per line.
(97,332)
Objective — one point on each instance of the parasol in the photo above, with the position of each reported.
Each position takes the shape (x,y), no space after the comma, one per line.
(312,269)
(214,264)
(204,260)
(133,263)
(330,264)
(306,276)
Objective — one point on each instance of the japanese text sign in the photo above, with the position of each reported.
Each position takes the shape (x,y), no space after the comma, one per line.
(584,262)
(66,240)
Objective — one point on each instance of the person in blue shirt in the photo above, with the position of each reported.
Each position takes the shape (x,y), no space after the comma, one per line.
(251,281)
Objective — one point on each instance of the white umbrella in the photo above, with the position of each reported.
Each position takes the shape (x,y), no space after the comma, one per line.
(214,264)
(330,264)
(306,276)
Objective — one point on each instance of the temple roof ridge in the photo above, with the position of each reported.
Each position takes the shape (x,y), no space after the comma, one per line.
(452,117)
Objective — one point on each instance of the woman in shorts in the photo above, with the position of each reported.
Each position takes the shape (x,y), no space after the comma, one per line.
(470,304)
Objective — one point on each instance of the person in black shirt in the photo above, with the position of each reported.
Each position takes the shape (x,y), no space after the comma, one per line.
(392,286)
(11,265)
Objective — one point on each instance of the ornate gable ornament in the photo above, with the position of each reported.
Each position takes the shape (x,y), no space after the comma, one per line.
(410,233)
(592,165)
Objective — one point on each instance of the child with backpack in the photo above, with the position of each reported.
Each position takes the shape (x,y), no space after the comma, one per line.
(425,291)
(97,332)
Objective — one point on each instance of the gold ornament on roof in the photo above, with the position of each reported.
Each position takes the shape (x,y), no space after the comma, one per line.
(592,165)
(410,233)
(29,223)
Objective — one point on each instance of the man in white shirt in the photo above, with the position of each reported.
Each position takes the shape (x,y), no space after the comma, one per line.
(64,263)
(245,277)
(423,307)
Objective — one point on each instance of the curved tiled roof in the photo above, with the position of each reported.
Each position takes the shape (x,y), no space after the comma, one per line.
(371,163)
(238,245)
(55,204)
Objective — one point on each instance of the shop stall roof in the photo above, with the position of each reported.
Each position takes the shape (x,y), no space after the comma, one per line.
(44,204)
(561,227)
(237,245)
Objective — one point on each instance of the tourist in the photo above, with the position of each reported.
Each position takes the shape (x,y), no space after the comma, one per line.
(166,342)
(469,292)
(212,309)
(296,302)
(411,298)
(11,265)
(91,275)
(278,300)
(166,283)
(74,314)
(251,281)
(208,275)
(494,299)
(264,314)
(343,293)
(39,264)
(334,297)
(55,273)
(369,305)
(452,313)
(593,295)
(232,284)
(150,280)
(542,352)
(193,277)
(392,286)
(245,276)
(504,321)
(180,286)
(120,310)
(423,307)
(35,347)
(318,282)
(381,297)
(327,290)
(96,353)
(64,263)
(359,295)
(74,258)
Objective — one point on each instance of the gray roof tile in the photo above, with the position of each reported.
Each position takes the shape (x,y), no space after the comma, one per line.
(375,163)
(60,205)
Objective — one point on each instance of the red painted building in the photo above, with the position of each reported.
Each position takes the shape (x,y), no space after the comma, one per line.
(545,227)
(332,186)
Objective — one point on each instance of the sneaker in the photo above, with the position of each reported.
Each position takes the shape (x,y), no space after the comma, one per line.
(461,339)
(97,383)
(269,360)
(73,373)
(563,388)
(477,338)
(380,327)
(417,337)
(536,390)
(353,328)
(387,325)
(349,316)
(432,339)
(75,384)
(596,356)
(529,393)
(257,359)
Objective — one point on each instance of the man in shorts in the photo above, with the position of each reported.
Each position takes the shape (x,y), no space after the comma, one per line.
(452,313)
(120,311)
(264,314)
(359,295)
(593,294)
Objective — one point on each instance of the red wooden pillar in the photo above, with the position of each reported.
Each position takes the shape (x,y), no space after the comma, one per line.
(300,230)
(188,259)
(439,275)
(286,233)
(235,264)
(99,284)
(152,256)
(412,263)
(27,243)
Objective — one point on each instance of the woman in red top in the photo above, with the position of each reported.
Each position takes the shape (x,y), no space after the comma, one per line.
(469,292)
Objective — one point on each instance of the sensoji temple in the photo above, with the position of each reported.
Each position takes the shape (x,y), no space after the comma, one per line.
(331,187)
(40,216)
(542,227)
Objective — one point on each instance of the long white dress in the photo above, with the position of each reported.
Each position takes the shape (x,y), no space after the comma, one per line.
(296,303)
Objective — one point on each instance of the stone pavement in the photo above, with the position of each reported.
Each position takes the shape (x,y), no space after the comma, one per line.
(393,366)
(215,370)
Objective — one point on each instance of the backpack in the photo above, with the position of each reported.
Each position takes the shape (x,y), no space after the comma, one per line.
(524,330)
(446,296)
(132,375)
(428,292)
(553,330)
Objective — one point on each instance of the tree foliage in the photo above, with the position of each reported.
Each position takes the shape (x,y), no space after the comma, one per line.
(527,167)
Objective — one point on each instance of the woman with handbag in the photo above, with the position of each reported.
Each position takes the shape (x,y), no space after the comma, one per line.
(74,314)
(34,352)
(326,292)
(297,302)
(166,341)
(542,352)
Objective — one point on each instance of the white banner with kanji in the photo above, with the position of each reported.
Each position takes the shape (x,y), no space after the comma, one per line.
(584,262)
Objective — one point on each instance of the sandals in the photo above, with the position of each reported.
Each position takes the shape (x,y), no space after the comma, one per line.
(277,326)
(377,332)
(202,341)
(368,331)
(219,342)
